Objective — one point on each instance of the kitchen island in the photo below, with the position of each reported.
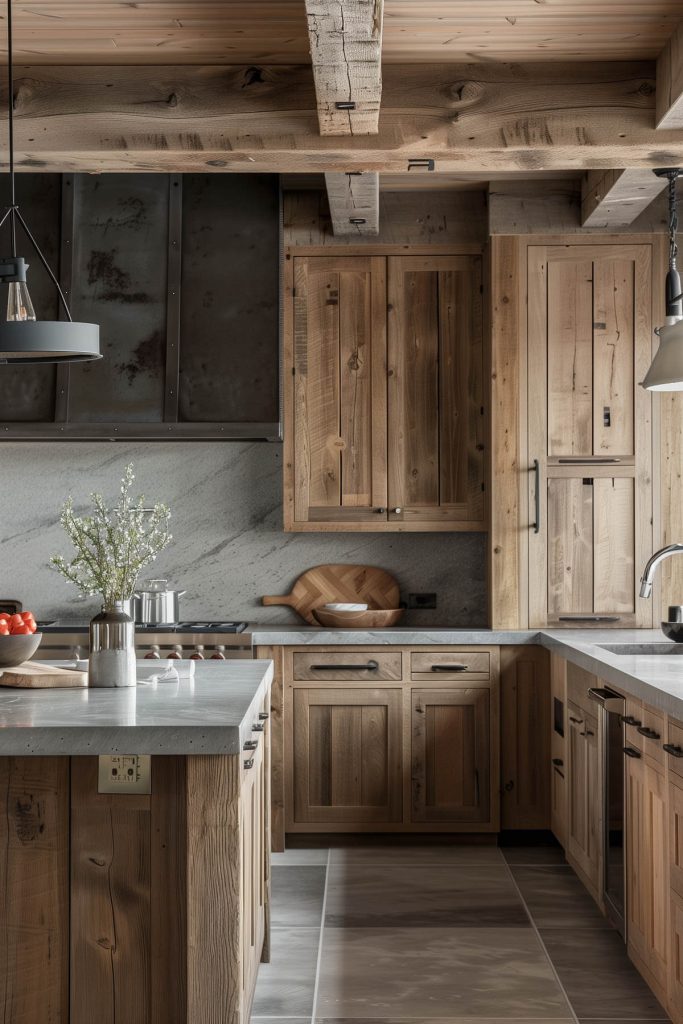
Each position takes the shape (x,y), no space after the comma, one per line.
(143,900)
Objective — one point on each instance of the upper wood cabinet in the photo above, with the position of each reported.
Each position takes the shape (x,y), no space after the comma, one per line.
(589,432)
(384,410)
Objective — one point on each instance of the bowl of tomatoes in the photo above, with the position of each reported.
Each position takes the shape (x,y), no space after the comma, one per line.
(19,639)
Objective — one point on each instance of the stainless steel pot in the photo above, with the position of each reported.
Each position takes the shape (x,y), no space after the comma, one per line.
(155,605)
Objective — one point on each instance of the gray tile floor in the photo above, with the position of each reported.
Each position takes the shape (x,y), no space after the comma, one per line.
(454,934)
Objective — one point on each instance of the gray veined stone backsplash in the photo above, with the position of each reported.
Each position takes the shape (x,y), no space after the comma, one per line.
(228,545)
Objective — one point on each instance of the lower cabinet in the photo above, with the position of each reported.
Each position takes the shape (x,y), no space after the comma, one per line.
(254,869)
(394,740)
(676,964)
(583,809)
(525,737)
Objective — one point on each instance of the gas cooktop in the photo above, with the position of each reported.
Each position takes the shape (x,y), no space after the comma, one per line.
(203,626)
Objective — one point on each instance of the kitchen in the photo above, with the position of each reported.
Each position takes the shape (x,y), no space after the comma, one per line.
(438,231)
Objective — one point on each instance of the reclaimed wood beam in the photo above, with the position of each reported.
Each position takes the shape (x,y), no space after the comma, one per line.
(614,198)
(670,82)
(354,202)
(484,118)
(346,52)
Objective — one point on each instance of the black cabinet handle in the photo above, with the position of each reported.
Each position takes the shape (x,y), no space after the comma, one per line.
(630,720)
(589,618)
(590,460)
(371,666)
(576,721)
(630,752)
(537,495)
(648,733)
(263,716)
(250,745)
(257,727)
(556,769)
(457,667)
(380,511)
(249,763)
(587,732)
(558,762)
(673,749)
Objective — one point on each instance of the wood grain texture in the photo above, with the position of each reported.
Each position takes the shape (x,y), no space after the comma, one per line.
(353,200)
(34,898)
(34,676)
(570,357)
(468,118)
(614,351)
(525,737)
(168,876)
(110,902)
(214,885)
(346,53)
(331,583)
(277,751)
(614,198)
(584,821)
(670,82)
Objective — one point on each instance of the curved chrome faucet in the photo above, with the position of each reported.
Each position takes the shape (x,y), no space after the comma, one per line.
(659,556)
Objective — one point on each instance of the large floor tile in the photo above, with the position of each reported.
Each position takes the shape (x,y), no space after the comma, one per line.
(425,973)
(279,1020)
(534,855)
(392,896)
(448,1020)
(300,856)
(622,1020)
(297,896)
(416,856)
(556,898)
(597,975)
(286,985)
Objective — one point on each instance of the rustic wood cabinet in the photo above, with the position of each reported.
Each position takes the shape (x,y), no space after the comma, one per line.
(558,747)
(589,432)
(390,740)
(583,796)
(525,737)
(384,396)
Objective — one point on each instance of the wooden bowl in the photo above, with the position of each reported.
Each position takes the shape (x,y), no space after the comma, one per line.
(373,618)
(15,650)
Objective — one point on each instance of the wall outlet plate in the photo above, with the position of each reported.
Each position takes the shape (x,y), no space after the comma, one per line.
(422,600)
(125,773)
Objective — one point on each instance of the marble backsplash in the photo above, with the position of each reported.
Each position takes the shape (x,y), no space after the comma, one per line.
(228,547)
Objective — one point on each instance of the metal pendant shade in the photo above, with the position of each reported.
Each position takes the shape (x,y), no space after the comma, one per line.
(666,370)
(23,338)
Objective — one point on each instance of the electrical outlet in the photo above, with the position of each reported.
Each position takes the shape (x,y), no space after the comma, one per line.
(422,600)
(127,773)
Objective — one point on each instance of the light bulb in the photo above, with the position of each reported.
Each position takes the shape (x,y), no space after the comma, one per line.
(19,305)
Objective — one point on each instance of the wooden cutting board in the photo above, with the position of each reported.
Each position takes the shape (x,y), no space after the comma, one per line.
(326,583)
(32,675)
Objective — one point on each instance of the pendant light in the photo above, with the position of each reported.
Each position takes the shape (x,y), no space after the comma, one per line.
(23,338)
(666,371)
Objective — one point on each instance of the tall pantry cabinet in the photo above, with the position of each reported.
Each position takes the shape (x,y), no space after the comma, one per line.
(589,337)
(384,392)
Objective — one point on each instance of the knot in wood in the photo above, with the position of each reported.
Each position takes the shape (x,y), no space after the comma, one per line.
(464,94)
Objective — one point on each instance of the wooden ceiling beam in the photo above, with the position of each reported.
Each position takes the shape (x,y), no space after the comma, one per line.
(614,198)
(484,119)
(346,52)
(670,82)
(354,202)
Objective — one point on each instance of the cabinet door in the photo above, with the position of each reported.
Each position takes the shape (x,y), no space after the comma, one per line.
(451,755)
(583,820)
(346,756)
(337,399)
(590,492)
(525,737)
(676,837)
(647,874)
(253,868)
(558,804)
(435,391)
(676,965)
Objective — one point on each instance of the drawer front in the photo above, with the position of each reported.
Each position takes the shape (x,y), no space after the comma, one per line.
(653,735)
(426,666)
(633,720)
(368,666)
(674,739)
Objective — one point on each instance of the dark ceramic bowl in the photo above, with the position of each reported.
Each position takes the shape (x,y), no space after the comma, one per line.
(674,631)
(15,650)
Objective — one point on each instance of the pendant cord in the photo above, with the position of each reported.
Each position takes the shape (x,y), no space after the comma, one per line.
(673,220)
(10,114)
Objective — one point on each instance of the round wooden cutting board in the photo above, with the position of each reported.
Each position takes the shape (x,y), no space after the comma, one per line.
(326,583)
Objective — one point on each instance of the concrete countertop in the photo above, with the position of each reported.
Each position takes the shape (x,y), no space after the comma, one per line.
(211,713)
(299,636)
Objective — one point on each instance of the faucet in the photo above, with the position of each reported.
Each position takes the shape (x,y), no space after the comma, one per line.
(659,556)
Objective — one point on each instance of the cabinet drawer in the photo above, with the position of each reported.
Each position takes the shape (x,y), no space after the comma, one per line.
(449,665)
(653,736)
(368,666)
(633,720)
(674,740)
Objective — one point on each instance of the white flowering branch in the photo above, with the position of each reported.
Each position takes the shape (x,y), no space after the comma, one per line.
(112,545)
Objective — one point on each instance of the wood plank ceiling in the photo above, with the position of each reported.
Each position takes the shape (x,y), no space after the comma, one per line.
(275,32)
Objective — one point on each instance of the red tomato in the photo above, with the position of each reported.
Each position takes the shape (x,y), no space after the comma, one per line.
(4,628)
(20,629)
(27,616)
(16,620)
(4,616)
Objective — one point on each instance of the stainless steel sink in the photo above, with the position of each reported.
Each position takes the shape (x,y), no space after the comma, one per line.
(664,648)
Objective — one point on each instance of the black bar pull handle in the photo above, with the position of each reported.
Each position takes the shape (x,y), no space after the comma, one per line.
(630,752)
(589,618)
(576,721)
(263,716)
(589,460)
(558,762)
(630,720)
(370,666)
(457,667)
(673,749)
(648,733)
(249,763)
(537,495)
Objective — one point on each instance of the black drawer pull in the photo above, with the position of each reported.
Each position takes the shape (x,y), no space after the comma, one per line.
(250,745)
(630,752)
(249,763)
(648,733)
(590,460)
(263,716)
(673,749)
(556,769)
(630,720)
(587,732)
(576,721)
(558,762)
(371,666)
(537,496)
(589,618)
(257,727)
(458,667)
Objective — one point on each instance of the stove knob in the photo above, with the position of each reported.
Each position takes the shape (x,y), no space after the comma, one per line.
(177,652)
(153,652)
(198,653)
(219,653)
